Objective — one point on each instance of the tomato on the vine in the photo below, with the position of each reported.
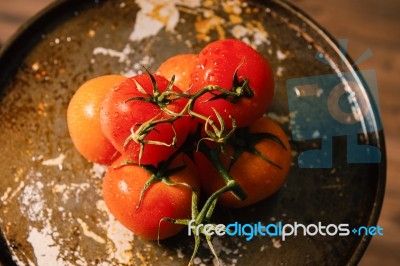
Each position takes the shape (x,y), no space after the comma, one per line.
(260,168)
(134,102)
(83,118)
(218,98)
(226,62)
(122,188)
(181,66)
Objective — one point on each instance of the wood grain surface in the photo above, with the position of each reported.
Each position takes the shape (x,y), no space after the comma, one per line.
(366,24)
(375,25)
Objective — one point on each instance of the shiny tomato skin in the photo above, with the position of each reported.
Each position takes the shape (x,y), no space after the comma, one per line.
(181,66)
(119,115)
(257,177)
(121,192)
(216,65)
(83,119)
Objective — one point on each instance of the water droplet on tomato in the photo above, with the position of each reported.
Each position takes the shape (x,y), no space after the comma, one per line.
(202,63)
(219,61)
(217,51)
(123,186)
(116,115)
(210,76)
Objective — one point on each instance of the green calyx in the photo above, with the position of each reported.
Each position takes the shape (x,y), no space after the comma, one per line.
(156,98)
(245,141)
(240,89)
(162,173)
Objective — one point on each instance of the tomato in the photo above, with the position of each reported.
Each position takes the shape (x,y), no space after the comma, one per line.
(181,66)
(83,118)
(217,64)
(258,177)
(122,113)
(122,187)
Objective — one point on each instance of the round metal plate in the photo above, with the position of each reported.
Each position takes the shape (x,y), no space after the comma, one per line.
(51,210)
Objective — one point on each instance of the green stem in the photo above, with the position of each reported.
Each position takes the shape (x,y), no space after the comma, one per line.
(163,99)
(230,186)
(213,155)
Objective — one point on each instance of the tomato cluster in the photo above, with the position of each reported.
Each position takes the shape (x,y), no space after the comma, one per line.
(197,124)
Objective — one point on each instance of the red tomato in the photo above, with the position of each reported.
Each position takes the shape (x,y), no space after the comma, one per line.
(121,192)
(258,177)
(83,118)
(181,66)
(217,63)
(121,116)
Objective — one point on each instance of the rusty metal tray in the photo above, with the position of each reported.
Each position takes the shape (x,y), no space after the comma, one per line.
(51,211)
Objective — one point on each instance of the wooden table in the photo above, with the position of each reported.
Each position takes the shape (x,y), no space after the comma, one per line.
(375,25)
(366,24)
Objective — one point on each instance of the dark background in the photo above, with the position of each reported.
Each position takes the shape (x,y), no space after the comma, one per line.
(366,24)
